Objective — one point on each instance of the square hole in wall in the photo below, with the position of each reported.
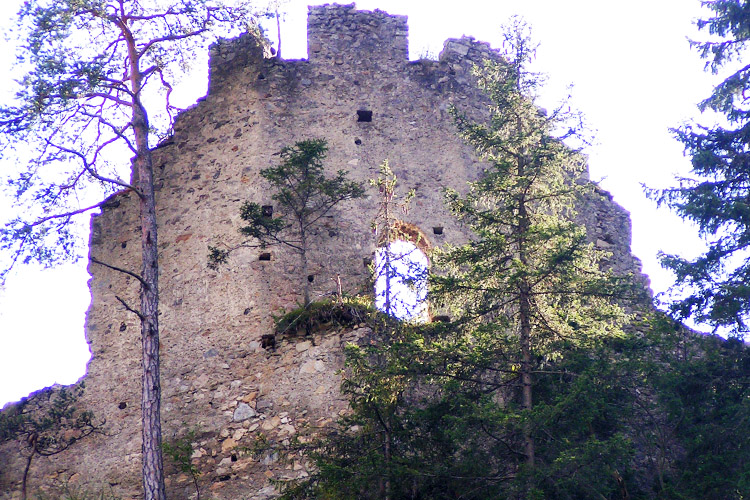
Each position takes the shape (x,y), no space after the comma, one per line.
(268,341)
(364,115)
(267,210)
(265,256)
(437,229)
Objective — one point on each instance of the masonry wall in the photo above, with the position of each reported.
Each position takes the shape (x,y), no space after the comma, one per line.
(216,377)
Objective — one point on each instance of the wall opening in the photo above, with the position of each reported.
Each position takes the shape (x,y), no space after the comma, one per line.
(364,115)
(268,342)
(401,281)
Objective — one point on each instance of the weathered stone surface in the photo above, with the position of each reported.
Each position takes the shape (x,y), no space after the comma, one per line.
(243,412)
(303,346)
(228,444)
(216,376)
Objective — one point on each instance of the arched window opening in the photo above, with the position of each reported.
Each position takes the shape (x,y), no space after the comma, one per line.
(401,281)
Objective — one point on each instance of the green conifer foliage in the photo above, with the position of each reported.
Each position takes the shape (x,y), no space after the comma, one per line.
(530,286)
(50,431)
(519,395)
(713,288)
(304,193)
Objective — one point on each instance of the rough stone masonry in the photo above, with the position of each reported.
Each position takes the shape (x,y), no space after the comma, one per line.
(357,90)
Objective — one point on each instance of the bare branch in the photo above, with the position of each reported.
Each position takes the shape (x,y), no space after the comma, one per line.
(112,98)
(170,38)
(128,308)
(64,215)
(89,168)
(119,269)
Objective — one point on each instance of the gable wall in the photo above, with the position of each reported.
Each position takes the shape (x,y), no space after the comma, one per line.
(212,321)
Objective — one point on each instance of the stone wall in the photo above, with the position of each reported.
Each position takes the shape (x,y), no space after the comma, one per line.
(216,377)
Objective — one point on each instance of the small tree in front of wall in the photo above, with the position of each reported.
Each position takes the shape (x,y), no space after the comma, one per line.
(49,432)
(304,194)
(180,452)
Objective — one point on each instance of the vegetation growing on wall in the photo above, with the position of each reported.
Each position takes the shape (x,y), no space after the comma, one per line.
(305,194)
(180,453)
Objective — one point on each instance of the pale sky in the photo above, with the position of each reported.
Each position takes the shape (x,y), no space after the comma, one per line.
(401,280)
(634,77)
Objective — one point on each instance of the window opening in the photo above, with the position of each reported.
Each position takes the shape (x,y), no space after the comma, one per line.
(364,115)
(401,281)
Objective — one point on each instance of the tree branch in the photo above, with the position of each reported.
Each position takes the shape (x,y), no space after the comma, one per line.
(128,308)
(119,269)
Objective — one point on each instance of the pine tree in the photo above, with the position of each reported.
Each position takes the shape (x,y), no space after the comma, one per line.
(91,71)
(714,288)
(400,266)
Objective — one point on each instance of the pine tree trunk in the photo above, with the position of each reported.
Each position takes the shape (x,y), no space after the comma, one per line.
(388,276)
(153,474)
(387,249)
(153,469)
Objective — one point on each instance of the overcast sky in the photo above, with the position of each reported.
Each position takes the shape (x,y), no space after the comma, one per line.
(634,77)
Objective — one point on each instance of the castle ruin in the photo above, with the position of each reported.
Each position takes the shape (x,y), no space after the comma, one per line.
(358,91)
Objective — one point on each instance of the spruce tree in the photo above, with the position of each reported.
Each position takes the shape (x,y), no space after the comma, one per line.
(713,287)
(517,396)
(530,286)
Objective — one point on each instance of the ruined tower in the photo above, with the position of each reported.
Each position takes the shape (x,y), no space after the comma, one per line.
(357,90)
